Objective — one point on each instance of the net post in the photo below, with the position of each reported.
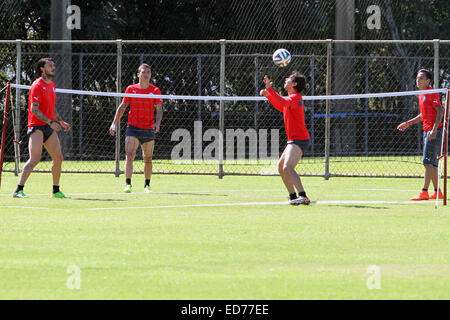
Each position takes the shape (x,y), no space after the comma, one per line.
(5,122)
(118,90)
(447,98)
(328,110)
(17,110)
(222,107)
(445,134)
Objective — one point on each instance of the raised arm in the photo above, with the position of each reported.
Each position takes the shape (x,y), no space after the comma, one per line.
(274,98)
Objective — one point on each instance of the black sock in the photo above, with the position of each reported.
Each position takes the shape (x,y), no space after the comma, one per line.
(55,188)
(302,194)
(292,196)
(423,189)
(147,182)
(128,181)
(19,188)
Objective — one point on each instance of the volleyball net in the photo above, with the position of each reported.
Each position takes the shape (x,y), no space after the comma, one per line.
(351,135)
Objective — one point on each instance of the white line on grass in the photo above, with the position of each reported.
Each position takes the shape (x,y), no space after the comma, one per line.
(22,207)
(365,202)
(255,204)
(190,192)
(168,192)
(402,190)
(192,205)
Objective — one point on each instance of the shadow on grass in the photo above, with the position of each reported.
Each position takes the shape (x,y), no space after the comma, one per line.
(107,200)
(357,206)
(193,194)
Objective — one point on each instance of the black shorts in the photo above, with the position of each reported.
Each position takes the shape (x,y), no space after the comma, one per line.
(303,144)
(46,130)
(143,135)
(431,148)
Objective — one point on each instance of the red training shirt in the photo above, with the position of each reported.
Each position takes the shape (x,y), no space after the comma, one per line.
(44,94)
(293,114)
(427,104)
(142,109)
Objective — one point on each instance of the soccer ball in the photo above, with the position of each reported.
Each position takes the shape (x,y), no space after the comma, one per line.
(281,57)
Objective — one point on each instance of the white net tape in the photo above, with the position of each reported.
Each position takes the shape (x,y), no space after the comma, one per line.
(244,98)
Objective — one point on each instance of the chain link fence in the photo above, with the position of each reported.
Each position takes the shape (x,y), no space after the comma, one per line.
(361,134)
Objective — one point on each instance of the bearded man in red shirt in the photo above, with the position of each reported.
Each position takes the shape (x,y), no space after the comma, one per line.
(43,121)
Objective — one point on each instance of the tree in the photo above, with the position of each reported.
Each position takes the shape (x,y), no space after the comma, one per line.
(62,54)
(344,132)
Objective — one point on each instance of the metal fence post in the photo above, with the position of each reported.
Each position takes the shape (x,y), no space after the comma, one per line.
(17,107)
(418,62)
(256,93)
(328,111)
(118,89)
(198,134)
(313,87)
(222,107)
(199,87)
(80,133)
(436,63)
(366,111)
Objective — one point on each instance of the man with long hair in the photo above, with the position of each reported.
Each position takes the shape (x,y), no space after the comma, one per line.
(43,121)
(298,137)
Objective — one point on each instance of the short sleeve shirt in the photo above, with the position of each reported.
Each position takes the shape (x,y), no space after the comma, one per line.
(293,114)
(44,94)
(142,110)
(427,105)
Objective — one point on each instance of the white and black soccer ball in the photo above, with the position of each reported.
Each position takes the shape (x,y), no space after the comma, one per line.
(281,57)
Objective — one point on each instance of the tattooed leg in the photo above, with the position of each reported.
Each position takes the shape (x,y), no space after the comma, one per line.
(35,144)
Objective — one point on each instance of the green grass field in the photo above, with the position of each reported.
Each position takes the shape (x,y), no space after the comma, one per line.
(377,166)
(198,237)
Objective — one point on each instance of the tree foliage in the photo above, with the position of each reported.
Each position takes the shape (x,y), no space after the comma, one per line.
(225,19)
